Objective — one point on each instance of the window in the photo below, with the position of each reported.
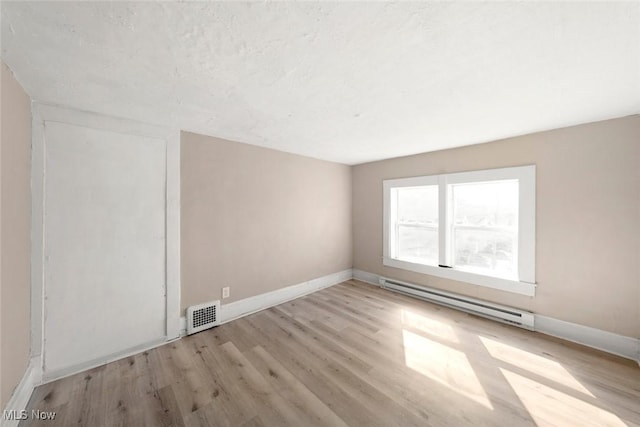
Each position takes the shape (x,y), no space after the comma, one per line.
(477,227)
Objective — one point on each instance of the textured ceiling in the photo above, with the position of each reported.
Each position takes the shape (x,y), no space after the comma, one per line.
(347,82)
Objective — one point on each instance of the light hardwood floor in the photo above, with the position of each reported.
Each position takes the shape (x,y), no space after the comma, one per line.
(356,355)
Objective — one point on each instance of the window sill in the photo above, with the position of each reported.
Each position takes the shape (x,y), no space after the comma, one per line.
(507,285)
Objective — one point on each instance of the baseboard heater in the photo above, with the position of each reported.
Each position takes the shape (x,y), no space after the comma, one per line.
(500,313)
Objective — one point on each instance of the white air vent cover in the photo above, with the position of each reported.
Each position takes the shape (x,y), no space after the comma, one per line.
(202,316)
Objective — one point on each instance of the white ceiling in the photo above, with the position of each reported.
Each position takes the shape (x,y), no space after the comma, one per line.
(348,82)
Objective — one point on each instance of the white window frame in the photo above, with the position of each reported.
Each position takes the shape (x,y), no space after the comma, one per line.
(407,183)
(526,176)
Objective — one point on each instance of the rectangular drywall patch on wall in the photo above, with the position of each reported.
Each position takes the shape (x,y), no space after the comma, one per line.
(104,243)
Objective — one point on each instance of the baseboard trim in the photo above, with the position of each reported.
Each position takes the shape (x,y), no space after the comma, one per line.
(260,302)
(50,376)
(608,342)
(183,326)
(244,307)
(364,276)
(21,395)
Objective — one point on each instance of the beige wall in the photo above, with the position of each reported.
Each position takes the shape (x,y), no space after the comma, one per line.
(15,221)
(587,219)
(257,220)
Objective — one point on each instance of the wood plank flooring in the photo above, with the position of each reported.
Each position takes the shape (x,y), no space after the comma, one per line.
(355,355)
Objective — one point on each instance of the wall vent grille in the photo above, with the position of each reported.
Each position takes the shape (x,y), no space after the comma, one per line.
(202,316)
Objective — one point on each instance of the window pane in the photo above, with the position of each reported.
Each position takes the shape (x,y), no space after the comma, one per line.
(487,204)
(485,221)
(417,224)
(418,245)
(418,205)
(488,252)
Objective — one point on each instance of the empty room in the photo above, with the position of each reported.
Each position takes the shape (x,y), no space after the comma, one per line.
(320,213)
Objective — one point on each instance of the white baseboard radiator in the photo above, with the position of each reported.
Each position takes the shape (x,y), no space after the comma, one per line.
(203,316)
(501,313)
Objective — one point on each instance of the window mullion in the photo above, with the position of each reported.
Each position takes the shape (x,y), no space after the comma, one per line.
(443,222)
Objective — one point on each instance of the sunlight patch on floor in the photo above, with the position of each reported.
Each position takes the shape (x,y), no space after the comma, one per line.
(428,325)
(538,365)
(444,365)
(550,407)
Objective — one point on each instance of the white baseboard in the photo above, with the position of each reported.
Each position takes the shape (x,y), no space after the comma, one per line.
(251,305)
(364,276)
(50,376)
(609,342)
(21,395)
(591,337)
(183,326)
